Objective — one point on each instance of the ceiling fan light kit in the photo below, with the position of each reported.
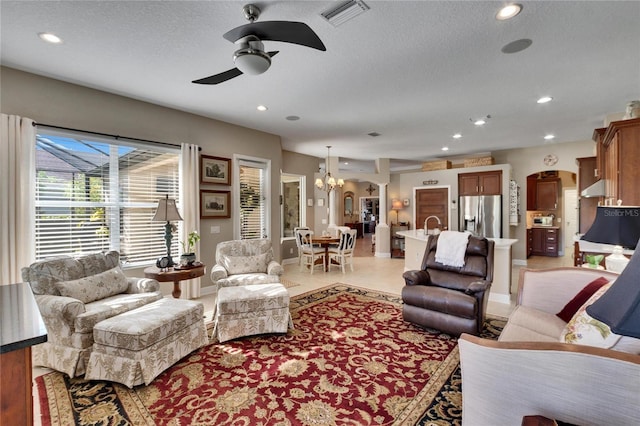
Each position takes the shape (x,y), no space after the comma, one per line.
(251,58)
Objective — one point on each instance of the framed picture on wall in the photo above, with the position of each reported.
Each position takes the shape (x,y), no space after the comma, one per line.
(215,204)
(215,170)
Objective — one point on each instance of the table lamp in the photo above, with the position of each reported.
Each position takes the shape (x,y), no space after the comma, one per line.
(395,206)
(619,226)
(619,307)
(166,212)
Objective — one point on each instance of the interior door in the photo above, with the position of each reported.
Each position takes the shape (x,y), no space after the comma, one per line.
(432,202)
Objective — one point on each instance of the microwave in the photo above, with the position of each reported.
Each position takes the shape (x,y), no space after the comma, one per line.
(543,220)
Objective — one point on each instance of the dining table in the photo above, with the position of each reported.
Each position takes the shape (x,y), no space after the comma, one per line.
(325,241)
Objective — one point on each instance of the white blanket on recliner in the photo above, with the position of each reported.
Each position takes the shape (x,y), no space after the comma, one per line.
(451,248)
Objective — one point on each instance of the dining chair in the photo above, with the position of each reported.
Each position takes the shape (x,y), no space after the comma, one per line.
(337,232)
(298,242)
(343,254)
(309,254)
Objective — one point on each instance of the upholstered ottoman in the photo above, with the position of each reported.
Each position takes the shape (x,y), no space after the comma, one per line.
(135,347)
(251,309)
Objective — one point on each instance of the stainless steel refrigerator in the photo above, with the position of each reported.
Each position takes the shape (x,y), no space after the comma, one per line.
(481,215)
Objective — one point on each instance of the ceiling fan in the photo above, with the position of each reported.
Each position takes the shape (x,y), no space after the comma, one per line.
(251,58)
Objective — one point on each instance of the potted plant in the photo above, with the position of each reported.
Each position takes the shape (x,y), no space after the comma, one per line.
(188,256)
(594,260)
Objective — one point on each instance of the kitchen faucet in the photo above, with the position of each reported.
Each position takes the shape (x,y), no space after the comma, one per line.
(426,222)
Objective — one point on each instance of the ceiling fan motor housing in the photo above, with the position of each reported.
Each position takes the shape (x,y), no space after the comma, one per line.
(251,57)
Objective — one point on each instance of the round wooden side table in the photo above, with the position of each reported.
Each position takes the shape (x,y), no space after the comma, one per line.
(175,275)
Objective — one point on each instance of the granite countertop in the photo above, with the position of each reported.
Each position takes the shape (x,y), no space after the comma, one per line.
(21,324)
(544,227)
(418,234)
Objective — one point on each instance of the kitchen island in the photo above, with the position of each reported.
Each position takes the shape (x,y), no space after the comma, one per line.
(416,244)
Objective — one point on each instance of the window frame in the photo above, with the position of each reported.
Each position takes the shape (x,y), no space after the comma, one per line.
(240,161)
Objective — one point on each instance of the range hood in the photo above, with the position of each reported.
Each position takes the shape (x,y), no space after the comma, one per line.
(595,190)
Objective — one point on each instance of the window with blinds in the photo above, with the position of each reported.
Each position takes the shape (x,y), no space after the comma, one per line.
(99,195)
(253,199)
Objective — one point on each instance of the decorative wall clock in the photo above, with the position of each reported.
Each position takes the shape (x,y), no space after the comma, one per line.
(550,160)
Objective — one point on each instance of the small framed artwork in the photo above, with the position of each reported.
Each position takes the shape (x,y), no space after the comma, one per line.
(215,204)
(215,170)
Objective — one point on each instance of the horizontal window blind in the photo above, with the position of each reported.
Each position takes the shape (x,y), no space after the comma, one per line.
(252,200)
(94,195)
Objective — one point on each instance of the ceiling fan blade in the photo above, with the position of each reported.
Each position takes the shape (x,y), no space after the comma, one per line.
(227,75)
(219,78)
(285,31)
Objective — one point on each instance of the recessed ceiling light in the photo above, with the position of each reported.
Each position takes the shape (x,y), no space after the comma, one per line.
(480,122)
(262,108)
(292,118)
(544,99)
(50,38)
(457,136)
(445,148)
(374,134)
(548,137)
(346,163)
(508,12)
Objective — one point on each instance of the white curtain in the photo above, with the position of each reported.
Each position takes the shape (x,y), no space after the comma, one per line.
(190,205)
(17,195)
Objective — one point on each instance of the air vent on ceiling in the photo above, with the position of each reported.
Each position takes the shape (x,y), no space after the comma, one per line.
(374,134)
(344,11)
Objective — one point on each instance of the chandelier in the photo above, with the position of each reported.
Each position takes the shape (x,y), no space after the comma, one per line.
(328,182)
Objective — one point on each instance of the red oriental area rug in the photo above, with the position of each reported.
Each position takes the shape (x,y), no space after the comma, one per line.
(351,360)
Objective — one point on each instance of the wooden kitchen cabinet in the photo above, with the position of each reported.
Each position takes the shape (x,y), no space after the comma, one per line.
(543,241)
(621,144)
(587,169)
(598,137)
(547,194)
(532,182)
(482,183)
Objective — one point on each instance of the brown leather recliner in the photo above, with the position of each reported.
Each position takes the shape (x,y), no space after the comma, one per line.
(446,298)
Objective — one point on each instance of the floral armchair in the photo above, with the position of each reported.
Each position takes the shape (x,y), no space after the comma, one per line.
(245,262)
(73,295)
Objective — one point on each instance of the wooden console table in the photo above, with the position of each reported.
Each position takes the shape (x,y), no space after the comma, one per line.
(175,276)
(21,328)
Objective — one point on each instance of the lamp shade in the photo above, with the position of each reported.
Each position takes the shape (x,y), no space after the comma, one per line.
(166,211)
(615,225)
(619,307)
(396,205)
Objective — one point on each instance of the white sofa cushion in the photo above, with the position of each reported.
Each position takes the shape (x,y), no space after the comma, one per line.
(583,329)
(246,264)
(95,287)
(532,325)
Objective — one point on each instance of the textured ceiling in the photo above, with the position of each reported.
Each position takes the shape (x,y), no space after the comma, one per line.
(415,72)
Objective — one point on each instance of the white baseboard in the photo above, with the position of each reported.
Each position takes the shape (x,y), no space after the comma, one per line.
(519,262)
(205,291)
(289,261)
(387,255)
